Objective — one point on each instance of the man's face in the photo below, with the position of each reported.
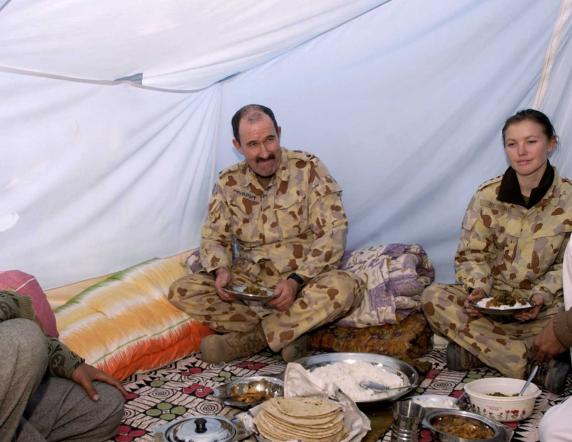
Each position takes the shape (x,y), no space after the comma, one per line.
(259,144)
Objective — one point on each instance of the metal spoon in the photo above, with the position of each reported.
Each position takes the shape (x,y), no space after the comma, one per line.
(529,379)
(380,387)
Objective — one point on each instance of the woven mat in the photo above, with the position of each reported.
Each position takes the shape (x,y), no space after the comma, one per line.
(184,388)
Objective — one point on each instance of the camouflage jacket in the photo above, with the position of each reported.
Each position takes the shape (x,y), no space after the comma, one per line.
(506,247)
(61,361)
(298,222)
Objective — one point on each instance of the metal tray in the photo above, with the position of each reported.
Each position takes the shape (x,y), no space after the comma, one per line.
(240,291)
(402,369)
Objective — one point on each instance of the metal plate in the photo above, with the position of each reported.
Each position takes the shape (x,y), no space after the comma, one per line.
(405,371)
(240,391)
(241,291)
(501,433)
(498,311)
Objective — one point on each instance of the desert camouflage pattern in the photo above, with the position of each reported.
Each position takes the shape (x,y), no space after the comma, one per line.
(504,248)
(500,345)
(298,223)
(325,298)
(508,248)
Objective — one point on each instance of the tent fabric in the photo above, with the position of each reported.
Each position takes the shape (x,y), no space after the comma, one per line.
(186,45)
(403,100)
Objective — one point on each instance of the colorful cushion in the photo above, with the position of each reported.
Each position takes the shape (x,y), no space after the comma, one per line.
(125,324)
(26,285)
(395,276)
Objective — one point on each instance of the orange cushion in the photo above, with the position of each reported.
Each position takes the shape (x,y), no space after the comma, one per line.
(125,324)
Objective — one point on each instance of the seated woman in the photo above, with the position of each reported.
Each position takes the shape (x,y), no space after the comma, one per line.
(513,238)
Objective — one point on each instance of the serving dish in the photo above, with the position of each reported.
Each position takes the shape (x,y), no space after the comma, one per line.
(250,292)
(249,391)
(405,371)
(202,429)
(505,409)
(500,432)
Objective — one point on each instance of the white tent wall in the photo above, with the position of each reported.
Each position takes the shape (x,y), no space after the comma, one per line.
(95,178)
(404,103)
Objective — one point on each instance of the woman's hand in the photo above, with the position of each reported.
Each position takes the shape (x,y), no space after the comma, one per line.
(85,374)
(474,297)
(537,301)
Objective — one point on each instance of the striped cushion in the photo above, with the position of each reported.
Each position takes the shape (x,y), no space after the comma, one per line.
(125,324)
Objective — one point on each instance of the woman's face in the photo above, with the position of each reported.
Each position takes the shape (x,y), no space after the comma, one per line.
(527,148)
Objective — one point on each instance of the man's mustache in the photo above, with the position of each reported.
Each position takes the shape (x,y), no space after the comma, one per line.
(270,158)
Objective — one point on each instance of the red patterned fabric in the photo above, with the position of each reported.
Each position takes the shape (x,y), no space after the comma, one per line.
(27,285)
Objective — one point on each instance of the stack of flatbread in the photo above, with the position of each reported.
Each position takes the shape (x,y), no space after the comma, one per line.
(306,419)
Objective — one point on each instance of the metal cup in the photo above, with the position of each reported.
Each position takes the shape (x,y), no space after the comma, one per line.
(407,416)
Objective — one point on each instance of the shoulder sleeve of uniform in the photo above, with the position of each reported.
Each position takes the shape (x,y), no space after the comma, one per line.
(489,183)
(321,180)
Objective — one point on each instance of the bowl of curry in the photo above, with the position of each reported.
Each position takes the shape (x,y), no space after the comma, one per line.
(463,426)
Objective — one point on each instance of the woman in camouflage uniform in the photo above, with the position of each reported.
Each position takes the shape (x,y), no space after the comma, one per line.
(513,238)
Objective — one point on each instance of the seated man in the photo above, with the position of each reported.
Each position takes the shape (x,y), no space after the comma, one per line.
(283,211)
(42,384)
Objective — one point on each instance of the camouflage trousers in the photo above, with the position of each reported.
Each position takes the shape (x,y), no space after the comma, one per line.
(325,298)
(501,345)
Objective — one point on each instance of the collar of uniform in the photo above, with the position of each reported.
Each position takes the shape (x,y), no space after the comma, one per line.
(282,172)
(509,191)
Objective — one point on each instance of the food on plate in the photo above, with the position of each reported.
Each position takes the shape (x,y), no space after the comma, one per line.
(309,418)
(253,392)
(508,299)
(462,426)
(348,377)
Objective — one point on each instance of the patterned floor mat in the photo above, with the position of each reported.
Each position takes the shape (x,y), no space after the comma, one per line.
(184,388)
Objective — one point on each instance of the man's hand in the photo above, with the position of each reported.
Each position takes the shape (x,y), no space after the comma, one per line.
(537,301)
(546,345)
(223,277)
(284,294)
(473,297)
(84,374)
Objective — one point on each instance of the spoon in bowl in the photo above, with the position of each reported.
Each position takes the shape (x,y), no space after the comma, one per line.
(529,379)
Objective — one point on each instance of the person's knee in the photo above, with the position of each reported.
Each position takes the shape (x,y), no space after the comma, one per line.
(27,345)
(109,408)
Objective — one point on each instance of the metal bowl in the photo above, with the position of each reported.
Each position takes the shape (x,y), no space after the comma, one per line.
(500,432)
(249,391)
(405,371)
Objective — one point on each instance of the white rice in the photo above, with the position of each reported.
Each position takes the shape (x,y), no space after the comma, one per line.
(347,377)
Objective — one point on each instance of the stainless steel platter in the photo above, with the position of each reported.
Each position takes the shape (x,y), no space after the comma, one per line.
(249,391)
(250,292)
(405,371)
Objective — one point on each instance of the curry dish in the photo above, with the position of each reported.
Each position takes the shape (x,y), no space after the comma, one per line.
(463,427)
(251,395)
(499,394)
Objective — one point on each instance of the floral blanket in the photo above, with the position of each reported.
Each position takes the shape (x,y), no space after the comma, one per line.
(184,388)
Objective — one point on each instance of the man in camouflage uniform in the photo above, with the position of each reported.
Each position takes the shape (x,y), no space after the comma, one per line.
(283,211)
(505,247)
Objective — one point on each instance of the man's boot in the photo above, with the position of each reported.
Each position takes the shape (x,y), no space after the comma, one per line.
(230,346)
(459,359)
(295,349)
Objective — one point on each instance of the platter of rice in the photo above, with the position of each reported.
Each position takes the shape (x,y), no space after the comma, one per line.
(350,371)
(309,418)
